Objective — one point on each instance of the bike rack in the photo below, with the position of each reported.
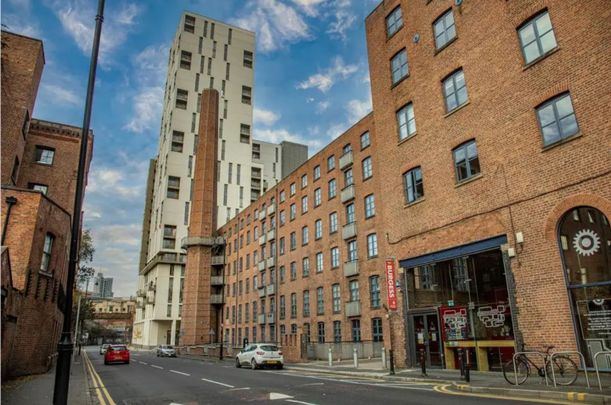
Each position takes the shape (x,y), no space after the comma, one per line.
(515,369)
(581,359)
(607,353)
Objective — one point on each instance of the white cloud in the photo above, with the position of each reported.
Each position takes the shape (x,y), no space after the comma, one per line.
(336,130)
(60,94)
(309,7)
(265,117)
(357,109)
(279,135)
(106,182)
(148,104)
(277,24)
(322,106)
(343,19)
(22,24)
(324,80)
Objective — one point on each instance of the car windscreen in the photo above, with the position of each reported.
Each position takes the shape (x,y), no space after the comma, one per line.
(117,347)
(269,348)
(167,347)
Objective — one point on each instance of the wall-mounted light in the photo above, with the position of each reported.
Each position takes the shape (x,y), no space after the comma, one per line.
(519,237)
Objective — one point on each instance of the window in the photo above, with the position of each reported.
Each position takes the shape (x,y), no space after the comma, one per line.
(372,245)
(47,249)
(294,306)
(282,217)
(173,187)
(350,213)
(332,189)
(356,330)
(305,264)
(44,155)
(352,252)
(354,291)
(317,197)
(347,149)
(293,241)
(317,172)
(412,183)
(333,222)
(185,60)
(406,121)
(374,290)
(43,188)
(169,236)
(281,247)
(246,95)
(337,298)
(557,119)
(319,262)
(334,257)
(305,235)
(189,25)
(318,229)
(244,133)
(444,30)
(455,90)
(398,66)
(331,162)
(293,270)
(537,37)
(320,301)
(376,329)
(348,177)
(394,21)
(247,60)
(282,196)
(370,207)
(182,96)
(367,168)
(306,303)
(292,212)
(466,161)
(178,139)
(293,189)
(365,141)
(15,170)
(321,332)
(282,307)
(304,181)
(337,331)
(304,204)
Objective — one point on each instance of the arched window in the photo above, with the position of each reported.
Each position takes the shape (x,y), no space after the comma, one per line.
(585,242)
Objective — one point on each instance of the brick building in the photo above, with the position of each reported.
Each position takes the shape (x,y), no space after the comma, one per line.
(490,179)
(38,197)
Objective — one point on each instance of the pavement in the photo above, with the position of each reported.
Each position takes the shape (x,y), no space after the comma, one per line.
(38,389)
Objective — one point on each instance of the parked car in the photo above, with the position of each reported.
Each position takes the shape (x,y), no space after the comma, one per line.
(258,355)
(103,348)
(166,351)
(116,354)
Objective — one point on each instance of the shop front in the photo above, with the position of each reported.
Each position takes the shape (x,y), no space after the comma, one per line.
(458,299)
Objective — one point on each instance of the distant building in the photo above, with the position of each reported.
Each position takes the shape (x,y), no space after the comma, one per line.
(102,287)
(39,166)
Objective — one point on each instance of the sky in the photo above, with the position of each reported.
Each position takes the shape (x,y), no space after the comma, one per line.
(311,84)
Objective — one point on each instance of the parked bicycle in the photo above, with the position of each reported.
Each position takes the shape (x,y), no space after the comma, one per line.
(564,368)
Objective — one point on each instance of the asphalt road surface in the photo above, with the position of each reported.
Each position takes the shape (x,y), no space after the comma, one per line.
(178,381)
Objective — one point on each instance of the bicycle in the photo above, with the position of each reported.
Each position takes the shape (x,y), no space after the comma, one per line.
(564,369)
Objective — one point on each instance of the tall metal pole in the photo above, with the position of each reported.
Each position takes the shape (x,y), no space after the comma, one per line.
(65,346)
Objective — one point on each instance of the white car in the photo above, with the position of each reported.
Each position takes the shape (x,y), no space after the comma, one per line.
(103,348)
(166,351)
(258,355)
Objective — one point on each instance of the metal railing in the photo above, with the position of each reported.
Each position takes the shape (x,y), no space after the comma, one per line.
(515,369)
(607,353)
(581,358)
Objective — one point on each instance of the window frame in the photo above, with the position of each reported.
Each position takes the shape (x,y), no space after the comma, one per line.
(452,76)
(533,21)
(45,152)
(402,64)
(392,15)
(448,41)
(470,175)
(407,108)
(553,101)
(410,174)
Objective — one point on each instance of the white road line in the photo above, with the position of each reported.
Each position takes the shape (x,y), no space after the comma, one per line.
(219,383)
(299,402)
(238,389)
(141,362)
(310,384)
(180,372)
(159,367)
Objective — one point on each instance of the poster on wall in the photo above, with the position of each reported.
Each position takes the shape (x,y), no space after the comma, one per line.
(455,323)
(596,315)
(389,265)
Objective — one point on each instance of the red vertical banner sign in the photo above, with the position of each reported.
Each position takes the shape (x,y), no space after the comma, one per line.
(391,284)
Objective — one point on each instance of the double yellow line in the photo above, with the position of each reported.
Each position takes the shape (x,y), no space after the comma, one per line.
(100,390)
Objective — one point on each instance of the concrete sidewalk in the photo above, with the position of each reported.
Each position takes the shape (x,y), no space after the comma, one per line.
(38,389)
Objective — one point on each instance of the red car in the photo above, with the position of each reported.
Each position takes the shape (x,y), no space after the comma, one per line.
(116,354)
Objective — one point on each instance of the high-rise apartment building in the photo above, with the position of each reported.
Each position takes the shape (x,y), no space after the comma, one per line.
(102,287)
(205,54)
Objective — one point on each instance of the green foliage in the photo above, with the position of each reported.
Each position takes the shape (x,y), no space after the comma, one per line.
(86,251)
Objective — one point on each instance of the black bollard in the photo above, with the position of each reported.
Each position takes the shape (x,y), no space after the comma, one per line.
(467,367)
(461,362)
(392,362)
(423,362)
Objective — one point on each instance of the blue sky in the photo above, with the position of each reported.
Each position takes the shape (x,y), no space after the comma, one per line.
(311,83)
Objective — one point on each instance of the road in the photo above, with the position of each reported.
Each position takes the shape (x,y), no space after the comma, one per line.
(152,380)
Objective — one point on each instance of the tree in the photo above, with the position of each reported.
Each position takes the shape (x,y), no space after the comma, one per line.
(85,257)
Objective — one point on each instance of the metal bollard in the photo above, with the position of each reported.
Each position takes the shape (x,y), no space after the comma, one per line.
(330,358)
(467,366)
(423,362)
(384,357)
(392,362)
(461,362)
(355,357)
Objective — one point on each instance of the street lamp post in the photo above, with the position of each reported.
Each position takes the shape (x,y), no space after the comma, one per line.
(65,346)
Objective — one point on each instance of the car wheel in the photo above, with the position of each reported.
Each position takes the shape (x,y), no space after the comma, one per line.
(105,363)
(127,362)
(280,367)
(253,364)
(237,363)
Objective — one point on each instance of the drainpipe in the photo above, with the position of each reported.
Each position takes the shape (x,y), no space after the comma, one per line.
(10,201)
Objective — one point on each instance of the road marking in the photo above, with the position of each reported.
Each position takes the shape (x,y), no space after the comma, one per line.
(98,392)
(142,362)
(299,402)
(180,372)
(276,395)
(444,390)
(219,383)
(310,384)
(156,366)
(100,384)
(238,389)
